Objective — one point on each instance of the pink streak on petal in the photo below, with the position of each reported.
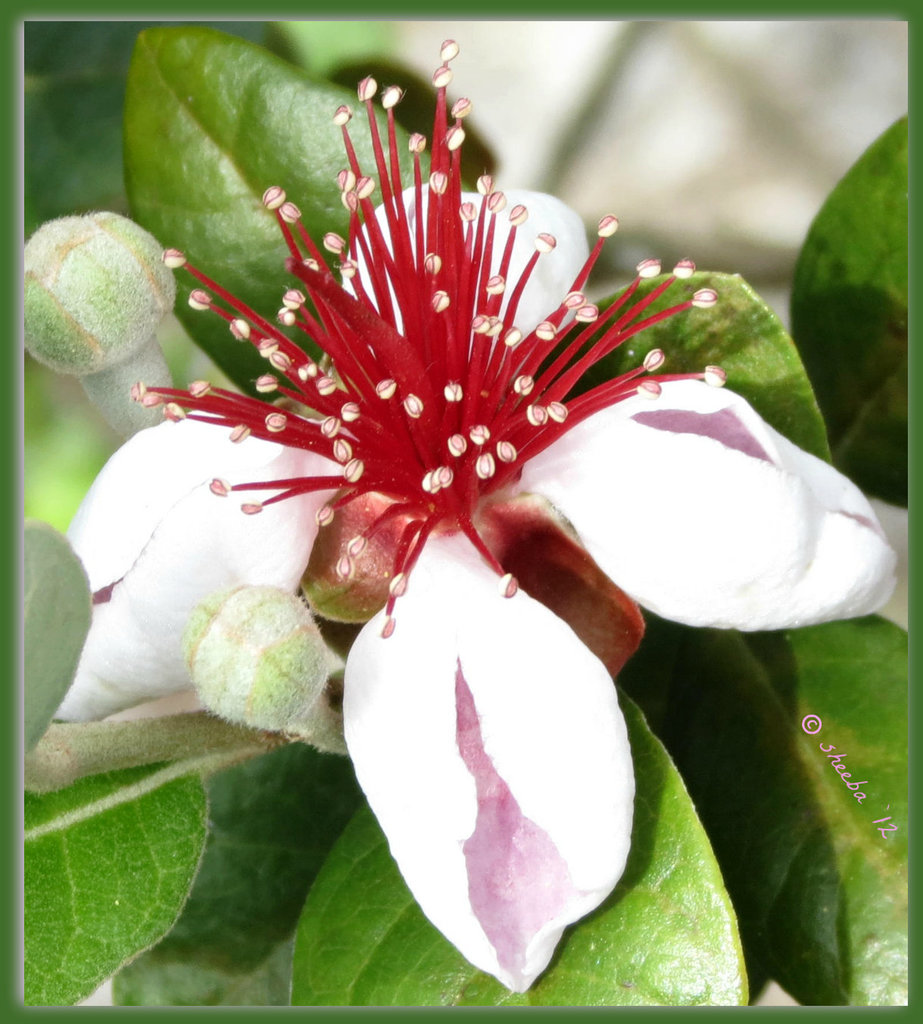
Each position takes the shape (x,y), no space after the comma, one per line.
(724,426)
(871,524)
(104,594)
(517,880)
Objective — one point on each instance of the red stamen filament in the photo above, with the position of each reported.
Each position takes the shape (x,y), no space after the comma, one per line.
(444,399)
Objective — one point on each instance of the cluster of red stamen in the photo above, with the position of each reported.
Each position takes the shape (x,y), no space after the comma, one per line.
(428,394)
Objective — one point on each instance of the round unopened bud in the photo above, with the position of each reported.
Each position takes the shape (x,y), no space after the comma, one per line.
(95,289)
(256,657)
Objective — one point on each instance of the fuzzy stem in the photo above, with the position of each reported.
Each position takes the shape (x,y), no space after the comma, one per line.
(72,750)
(110,389)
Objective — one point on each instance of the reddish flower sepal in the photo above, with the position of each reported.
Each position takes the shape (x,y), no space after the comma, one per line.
(550,565)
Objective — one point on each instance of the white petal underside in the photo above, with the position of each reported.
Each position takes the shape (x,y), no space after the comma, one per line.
(151,530)
(706,515)
(482,714)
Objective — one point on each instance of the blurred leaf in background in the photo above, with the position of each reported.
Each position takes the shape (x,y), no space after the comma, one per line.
(849,316)
(56,617)
(321,46)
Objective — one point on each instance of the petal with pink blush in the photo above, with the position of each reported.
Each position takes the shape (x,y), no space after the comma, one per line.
(490,745)
(517,880)
(706,515)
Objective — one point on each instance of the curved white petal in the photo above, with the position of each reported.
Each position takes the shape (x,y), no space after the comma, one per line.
(895,522)
(706,515)
(555,272)
(155,541)
(489,743)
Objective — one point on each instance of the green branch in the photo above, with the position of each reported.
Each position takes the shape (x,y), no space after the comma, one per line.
(69,751)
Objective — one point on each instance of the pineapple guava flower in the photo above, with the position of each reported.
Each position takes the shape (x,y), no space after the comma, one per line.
(484,729)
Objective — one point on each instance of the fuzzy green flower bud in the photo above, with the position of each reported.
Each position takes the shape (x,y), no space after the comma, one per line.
(96,289)
(256,657)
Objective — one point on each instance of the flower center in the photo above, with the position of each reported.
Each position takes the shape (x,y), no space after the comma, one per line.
(432,393)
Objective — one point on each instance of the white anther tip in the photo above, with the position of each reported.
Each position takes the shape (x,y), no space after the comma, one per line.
(715,376)
(367,89)
(649,268)
(391,96)
(353,470)
(484,466)
(273,197)
(442,77)
(173,258)
(704,298)
(683,269)
(654,360)
(290,213)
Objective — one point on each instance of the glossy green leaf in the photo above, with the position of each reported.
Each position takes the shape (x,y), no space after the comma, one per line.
(743,336)
(210,123)
(74,87)
(108,863)
(666,936)
(820,893)
(56,617)
(272,822)
(849,316)
(867,660)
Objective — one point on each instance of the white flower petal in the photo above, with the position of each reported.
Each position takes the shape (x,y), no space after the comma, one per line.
(482,716)
(895,522)
(155,541)
(555,272)
(706,515)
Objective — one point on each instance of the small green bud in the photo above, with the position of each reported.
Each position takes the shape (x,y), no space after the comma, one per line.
(95,291)
(256,657)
